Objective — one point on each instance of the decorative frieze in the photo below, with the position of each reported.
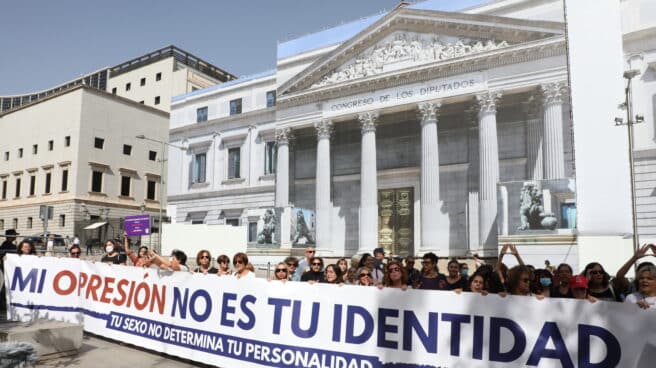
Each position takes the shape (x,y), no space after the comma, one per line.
(368,121)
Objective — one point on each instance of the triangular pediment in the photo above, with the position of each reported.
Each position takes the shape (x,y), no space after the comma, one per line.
(409,38)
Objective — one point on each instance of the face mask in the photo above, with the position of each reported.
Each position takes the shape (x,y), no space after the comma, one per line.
(464,272)
(545,281)
(109,249)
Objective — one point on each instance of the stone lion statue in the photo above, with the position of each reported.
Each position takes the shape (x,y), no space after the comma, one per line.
(302,230)
(531,210)
(266,235)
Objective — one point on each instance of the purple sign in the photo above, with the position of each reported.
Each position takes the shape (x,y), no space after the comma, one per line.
(137,225)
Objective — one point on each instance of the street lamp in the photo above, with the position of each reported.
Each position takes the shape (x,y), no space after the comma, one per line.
(630,121)
(162,161)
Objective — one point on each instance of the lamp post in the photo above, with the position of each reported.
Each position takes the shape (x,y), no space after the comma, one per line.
(162,161)
(630,121)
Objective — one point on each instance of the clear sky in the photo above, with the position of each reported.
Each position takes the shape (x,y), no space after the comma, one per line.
(47,42)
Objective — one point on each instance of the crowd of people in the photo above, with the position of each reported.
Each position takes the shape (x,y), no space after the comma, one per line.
(594,283)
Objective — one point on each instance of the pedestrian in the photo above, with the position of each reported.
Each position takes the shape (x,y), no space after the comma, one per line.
(430,277)
(292,266)
(519,281)
(542,281)
(240,262)
(112,255)
(9,244)
(304,264)
(26,247)
(454,279)
(411,271)
(315,273)
(223,261)
(332,275)
(645,297)
(75,251)
(176,262)
(367,260)
(281,272)
(138,260)
(204,262)
(579,286)
(561,288)
(396,276)
(599,285)
(342,263)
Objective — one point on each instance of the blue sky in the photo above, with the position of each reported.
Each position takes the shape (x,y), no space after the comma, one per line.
(48,42)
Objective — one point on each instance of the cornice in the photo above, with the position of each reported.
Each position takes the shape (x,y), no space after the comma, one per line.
(535,50)
(222,193)
(223,124)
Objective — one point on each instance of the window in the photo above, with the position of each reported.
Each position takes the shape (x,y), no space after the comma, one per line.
(114,90)
(125,186)
(142,82)
(201,114)
(271,98)
(29,222)
(158,77)
(252,232)
(35,149)
(64,186)
(199,168)
(62,220)
(270,152)
(150,190)
(99,143)
(51,145)
(32,184)
(152,155)
(127,86)
(4,189)
(2,224)
(7,156)
(18,187)
(67,141)
(48,182)
(235,107)
(20,153)
(156,100)
(127,149)
(197,222)
(232,222)
(233,163)
(142,102)
(96,181)
(15,223)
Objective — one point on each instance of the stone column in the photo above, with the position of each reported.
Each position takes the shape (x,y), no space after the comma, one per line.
(488,168)
(282,167)
(534,129)
(323,204)
(434,223)
(368,184)
(554,155)
(283,210)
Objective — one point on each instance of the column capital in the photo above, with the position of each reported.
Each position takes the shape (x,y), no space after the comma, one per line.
(554,93)
(283,136)
(429,111)
(368,121)
(486,102)
(324,128)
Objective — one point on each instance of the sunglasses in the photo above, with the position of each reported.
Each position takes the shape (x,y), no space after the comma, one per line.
(426,262)
(309,251)
(316,264)
(394,269)
(291,265)
(281,270)
(75,254)
(205,257)
(238,262)
(364,275)
(526,280)
(595,272)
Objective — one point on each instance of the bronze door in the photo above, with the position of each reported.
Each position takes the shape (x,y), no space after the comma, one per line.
(396,221)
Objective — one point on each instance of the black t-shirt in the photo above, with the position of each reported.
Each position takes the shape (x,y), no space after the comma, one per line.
(211,270)
(555,293)
(460,284)
(115,259)
(312,276)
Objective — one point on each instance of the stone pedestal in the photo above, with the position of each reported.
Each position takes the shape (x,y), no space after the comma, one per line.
(50,338)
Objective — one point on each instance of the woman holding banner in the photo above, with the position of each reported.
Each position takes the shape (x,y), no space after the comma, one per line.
(332,275)
(563,275)
(430,278)
(519,281)
(645,297)
(223,262)
(240,262)
(315,272)
(112,255)
(281,272)
(140,260)
(396,276)
(599,285)
(204,262)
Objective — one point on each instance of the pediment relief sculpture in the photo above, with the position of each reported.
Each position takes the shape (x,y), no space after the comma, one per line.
(401,50)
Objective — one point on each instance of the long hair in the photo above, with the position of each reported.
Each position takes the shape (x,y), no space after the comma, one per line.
(605,281)
(514,277)
(404,273)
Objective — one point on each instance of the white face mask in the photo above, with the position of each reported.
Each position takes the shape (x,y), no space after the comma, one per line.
(109,249)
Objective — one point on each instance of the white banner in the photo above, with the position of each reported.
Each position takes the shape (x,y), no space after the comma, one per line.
(256,323)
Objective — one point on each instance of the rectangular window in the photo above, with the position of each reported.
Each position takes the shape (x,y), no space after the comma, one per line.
(96,181)
(150,190)
(234,162)
(4,189)
(158,77)
(64,186)
(270,153)
(197,222)
(156,100)
(7,156)
(67,141)
(20,153)
(252,232)
(114,90)
(201,114)
(152,155)
(14,223)
(51,145)
(62,220)
(29,222)
(99,143)
(232,222)
(32,184)
(127,86)
(235,107)
(125,186)
(199,168)
(142,82)
(271,98)
(2,224)
(127,149)
(48,182)
(35,149)
(18,187)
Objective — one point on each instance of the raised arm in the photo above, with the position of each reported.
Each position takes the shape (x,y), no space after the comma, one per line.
(621,282)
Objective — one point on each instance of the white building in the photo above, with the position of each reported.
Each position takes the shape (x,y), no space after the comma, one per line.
(417,129)
(68,152)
